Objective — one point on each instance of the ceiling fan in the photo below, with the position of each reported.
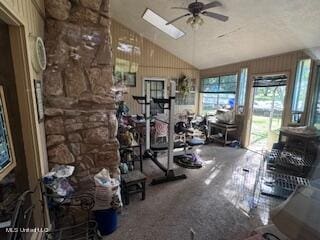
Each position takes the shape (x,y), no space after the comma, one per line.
(195,9)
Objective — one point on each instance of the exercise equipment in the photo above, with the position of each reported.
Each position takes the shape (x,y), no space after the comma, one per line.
(168,104)
(185,160)
(180,128)
(146,101)
(191,161)
(152,152)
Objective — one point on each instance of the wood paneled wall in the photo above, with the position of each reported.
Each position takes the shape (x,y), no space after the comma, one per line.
(153,62)
(272,64)
(30,14)
(283,63)
(26,22)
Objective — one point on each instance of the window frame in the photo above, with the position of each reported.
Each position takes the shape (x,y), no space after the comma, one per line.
(219,79)
(316,95)
(165,95)
(235,92)
(294,102)
(218,96)
(238,106)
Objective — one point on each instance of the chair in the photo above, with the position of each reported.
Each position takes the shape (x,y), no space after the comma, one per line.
(160,130)
(132,183)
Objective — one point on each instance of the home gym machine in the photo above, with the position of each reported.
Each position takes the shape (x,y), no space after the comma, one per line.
(151,152)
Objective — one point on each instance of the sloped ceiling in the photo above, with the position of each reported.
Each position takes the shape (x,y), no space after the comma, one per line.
(256,28)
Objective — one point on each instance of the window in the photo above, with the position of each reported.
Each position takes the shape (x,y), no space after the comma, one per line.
(300,89)
(220,84)
(156,91)
(160,23)
(316,118)
(218,92)
(242,89)
(316,105)
(210,85)
(214,101)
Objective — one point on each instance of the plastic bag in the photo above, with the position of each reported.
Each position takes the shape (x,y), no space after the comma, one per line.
(103,178)
(62,187)
(62,170)
(56,180)
(106,191)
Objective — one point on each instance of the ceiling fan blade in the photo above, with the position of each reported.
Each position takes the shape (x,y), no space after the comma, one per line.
(180,8)
(228,33)
(173,20)
(212,5)
(216,16)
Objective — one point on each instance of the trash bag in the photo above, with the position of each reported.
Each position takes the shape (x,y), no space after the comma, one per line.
(56,181)
(107,191)
(62,187)
(62,171)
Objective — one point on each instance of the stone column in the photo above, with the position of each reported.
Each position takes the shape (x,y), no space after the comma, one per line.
(80,120)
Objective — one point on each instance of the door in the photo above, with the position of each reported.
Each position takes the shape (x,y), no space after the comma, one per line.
(157,88)
(267,114)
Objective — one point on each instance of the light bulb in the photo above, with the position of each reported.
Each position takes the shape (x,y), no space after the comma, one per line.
(197,19)
(195,25)
(201,21)
(195,22)
(190,20)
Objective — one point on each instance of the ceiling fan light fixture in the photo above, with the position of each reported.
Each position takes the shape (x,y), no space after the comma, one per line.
(197,19)
(195,9)
(190,20)
(195,26)
(195,22)
(201,22)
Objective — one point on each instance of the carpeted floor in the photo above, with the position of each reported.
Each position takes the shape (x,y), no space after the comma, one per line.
(217,201)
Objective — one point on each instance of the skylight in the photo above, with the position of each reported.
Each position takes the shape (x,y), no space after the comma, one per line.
(160,23)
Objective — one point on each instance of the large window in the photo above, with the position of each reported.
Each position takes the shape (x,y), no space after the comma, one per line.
(316,105)
(242,89)
(214,101)
(220,84)
(218,92)
(300,89)
(316,118)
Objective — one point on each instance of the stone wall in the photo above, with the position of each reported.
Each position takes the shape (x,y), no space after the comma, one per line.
(80,119)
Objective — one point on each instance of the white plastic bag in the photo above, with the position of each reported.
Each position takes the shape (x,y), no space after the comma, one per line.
(57,181)
(102,178)
(106,188)
(61,171)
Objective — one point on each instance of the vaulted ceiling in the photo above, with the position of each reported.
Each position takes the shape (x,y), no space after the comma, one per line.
(256,28)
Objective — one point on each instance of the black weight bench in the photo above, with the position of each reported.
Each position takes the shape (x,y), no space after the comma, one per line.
(164,146)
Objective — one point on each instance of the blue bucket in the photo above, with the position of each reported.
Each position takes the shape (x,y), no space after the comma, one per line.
(107,220)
